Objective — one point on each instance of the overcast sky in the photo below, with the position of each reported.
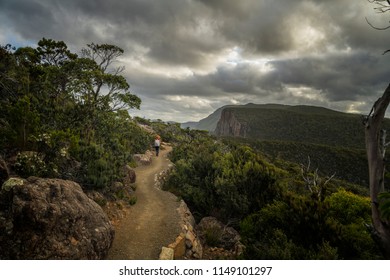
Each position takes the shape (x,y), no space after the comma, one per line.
(187,58)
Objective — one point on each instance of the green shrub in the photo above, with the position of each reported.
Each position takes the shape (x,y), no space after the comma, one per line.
(384,205)
(132,200)
(213,236)
(30,164)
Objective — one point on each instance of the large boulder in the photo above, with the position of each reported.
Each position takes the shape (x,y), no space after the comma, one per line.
(129,175)
(51,219)
(143,159)
(215,234)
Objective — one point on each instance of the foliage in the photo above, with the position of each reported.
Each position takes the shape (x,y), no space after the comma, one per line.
(244,181)
(334,140)
(331,229)
(28,164)
(384,205)
(306,124)
(171,132)
(132,200)
(213,236)
(346,163)
(65,115)
(277,216)
(225,181)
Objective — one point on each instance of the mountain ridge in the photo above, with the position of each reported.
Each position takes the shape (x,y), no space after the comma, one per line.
(277,122)
(296,133)
(306,124)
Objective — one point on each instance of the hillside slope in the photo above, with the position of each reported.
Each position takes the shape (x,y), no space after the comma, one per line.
(210,122)
(306,124)
(334,141)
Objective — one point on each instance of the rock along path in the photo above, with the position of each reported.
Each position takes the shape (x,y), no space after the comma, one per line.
(153,222)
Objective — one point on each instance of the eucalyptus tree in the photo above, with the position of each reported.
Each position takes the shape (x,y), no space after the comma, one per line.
(108,89)
(376,155)
(53,98)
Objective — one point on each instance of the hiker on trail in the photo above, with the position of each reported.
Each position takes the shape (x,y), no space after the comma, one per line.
(157,143)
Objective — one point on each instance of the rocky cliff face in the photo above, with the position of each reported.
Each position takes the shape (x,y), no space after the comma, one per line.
(51,219)
(229,125)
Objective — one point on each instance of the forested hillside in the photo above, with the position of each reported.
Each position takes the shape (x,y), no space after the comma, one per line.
(306,124)
(345,163)
(307,196)
(334,141)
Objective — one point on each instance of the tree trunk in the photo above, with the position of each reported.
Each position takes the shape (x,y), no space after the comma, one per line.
(375,145)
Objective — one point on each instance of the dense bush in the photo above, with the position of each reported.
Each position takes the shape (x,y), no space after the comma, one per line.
(228,182)
(334,228)
(276,213)
(65,115)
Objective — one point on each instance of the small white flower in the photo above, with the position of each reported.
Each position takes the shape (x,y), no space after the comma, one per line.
(64,152)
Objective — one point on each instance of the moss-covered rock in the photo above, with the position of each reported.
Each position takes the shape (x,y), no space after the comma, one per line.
(10,183)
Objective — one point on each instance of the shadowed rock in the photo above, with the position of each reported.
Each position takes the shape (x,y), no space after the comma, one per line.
(51,219)
(4,173)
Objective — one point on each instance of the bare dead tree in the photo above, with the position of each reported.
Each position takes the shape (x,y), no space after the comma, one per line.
(313,182)
(376,152)
(382,6)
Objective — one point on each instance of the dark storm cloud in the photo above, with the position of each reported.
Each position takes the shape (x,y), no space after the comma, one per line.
(348,77)
(177,53)
(26,17)
(339,77)
(261,26)
(188,32)
(175,32)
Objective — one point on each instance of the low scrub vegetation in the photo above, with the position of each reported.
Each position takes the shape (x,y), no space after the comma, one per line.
(277,214)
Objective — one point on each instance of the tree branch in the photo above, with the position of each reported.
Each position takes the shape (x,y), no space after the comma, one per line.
(377,28)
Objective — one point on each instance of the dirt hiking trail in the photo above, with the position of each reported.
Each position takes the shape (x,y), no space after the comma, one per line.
(153,222)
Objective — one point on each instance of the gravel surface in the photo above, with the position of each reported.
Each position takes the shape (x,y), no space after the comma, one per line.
(153,222)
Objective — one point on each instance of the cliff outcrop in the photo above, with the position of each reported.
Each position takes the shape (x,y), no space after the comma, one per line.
(229,125)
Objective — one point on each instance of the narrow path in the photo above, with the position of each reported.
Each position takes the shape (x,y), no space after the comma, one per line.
(153,222)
